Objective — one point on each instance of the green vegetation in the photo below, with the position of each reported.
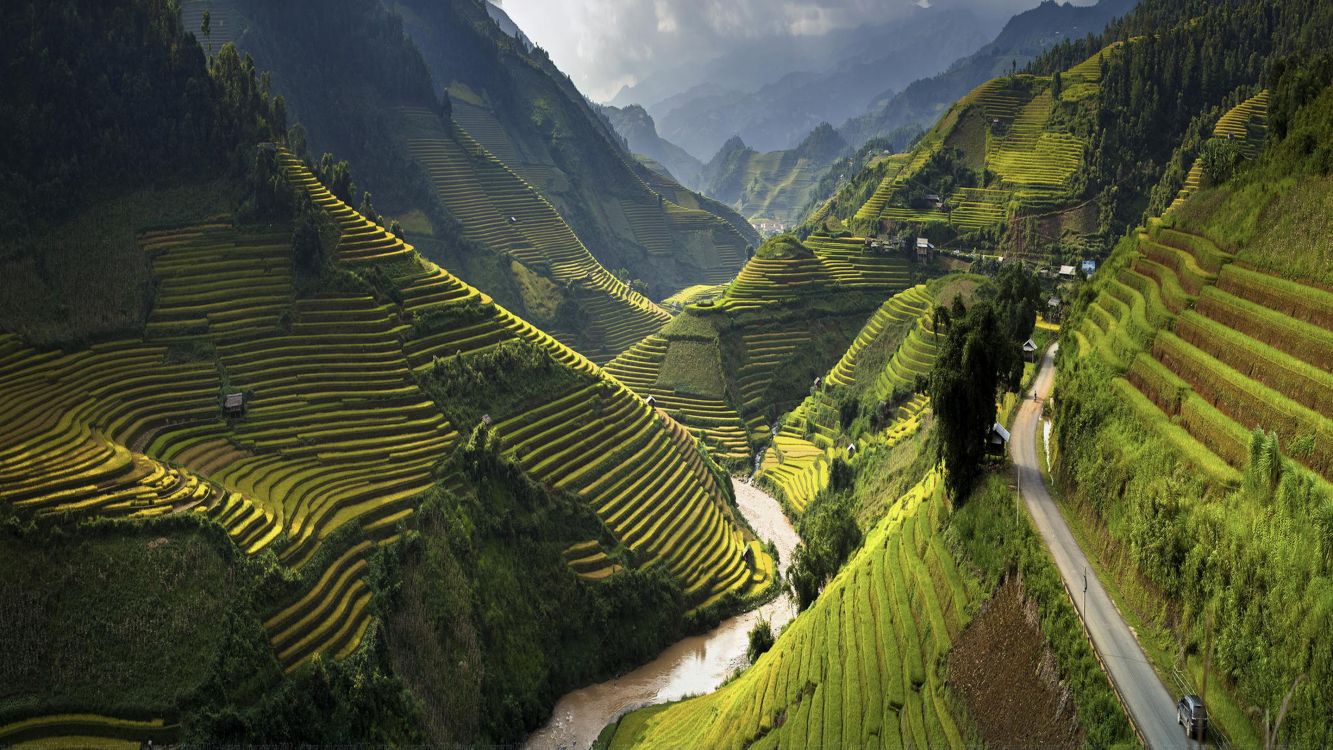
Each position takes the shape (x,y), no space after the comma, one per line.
(728,367)
(863,664)
(499,210)
(776,185)
(482,580)
(528,114)
(345,364)
(1215,341)
(980,358)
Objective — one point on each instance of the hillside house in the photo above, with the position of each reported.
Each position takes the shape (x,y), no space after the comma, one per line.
(1029,351)
(233,405)
(1053,310)
(924,250)
(1067,272)
(652,402)
(1089,266)
(997,440)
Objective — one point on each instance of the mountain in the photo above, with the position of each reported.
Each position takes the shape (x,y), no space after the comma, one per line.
(893,117)
(530,116)
(772,187)
(542,241)
(1215,339)
(1022,39)
(636,126)
(839,84)
(292,466)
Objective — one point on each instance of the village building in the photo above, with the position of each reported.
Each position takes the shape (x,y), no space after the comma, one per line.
(924,250)
(997,440)
(233,405)
(1030,351)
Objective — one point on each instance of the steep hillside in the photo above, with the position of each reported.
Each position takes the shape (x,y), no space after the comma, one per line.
(728,367)
(529,115)
(771,188)
(353,394)
(562,286)
(869,398)
(636,126)
(1006,151)
(1025,37)
(865,664)
(1208,474)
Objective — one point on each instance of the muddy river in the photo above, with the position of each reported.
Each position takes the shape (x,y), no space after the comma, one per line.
(693,666)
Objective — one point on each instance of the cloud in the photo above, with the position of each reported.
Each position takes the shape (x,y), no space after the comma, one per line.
(603,44)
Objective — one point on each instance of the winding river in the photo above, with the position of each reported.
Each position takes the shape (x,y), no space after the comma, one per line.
(692,666)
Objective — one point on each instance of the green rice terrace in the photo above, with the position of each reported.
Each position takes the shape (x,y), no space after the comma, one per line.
(860,666)
(796,464)
(1011,139)
(336,432)
(1019,433)
(1245,123)
(727,367)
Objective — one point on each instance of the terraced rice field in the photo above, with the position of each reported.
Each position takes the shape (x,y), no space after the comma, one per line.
(1211,349)
(85,731)
(860,668)
(1247,122)
(796,466)
(1035,162)
(901,168)
(502,211)
(712,420)
(336,432)
(970,209)
(850,263)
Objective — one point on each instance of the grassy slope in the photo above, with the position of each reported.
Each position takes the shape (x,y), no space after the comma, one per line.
(281,478)
(880,367)
(169,600)
(530,116)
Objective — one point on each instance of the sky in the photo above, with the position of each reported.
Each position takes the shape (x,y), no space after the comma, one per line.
(605,44)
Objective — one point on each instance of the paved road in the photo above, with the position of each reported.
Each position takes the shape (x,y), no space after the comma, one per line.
(1150,704)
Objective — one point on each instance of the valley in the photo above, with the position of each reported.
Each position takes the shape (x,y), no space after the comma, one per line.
(365,381)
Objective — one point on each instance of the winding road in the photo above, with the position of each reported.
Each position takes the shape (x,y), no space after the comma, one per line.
(1150,704)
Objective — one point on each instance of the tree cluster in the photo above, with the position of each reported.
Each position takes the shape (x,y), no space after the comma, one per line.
(107,96)
(979,359)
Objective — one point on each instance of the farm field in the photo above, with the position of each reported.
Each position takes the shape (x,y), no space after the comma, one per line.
(1247,122)
(336,433)
(796,465)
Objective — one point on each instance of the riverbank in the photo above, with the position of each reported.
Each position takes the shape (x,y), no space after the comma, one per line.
(692,666)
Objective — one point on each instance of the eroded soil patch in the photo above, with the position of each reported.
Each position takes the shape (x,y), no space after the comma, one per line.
(1009,680)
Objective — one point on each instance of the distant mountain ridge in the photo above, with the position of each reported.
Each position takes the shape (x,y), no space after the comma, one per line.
(1022,39)
(832,85)
(636,126)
